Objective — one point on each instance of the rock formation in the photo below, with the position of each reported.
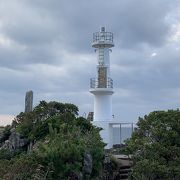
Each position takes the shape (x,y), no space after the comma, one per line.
(87,168)
(15,141)
(29,101)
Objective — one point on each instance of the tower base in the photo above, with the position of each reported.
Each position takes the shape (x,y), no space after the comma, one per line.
(106,132)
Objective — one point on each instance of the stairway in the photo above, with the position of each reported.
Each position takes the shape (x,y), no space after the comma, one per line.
(125,165)
(124,171)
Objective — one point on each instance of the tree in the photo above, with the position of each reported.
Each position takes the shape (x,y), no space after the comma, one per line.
(4,135)
(34,125)
(155,146)
(59,142)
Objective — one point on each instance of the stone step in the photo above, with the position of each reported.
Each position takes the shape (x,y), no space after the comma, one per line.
(123,176)
(125,167)
(125,171)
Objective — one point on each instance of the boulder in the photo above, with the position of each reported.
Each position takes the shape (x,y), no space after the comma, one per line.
(15,141)
(87,167)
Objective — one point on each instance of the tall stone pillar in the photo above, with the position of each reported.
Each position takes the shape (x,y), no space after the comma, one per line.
(29,101)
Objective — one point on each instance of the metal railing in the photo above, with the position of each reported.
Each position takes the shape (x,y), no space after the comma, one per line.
(122,131)
(103,36)
(97,83)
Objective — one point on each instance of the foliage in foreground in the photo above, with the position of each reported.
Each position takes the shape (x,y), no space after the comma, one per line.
(60,141)
(155,146)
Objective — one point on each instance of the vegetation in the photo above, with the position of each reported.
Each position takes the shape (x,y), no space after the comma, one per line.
(5,133)
(155,146)
(60,140)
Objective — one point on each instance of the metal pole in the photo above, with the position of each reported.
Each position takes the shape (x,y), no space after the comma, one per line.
(132,128)
(120,133)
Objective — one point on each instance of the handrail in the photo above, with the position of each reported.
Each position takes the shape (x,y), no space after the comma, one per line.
(103,36)
(97,83)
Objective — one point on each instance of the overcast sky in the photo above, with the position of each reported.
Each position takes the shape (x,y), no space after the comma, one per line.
(45,46)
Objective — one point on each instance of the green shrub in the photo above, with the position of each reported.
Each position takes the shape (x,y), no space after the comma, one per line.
(61,139)
(155,146)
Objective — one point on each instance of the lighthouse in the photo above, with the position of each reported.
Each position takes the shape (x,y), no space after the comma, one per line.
(102,85)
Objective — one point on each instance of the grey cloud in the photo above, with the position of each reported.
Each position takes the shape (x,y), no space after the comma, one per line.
(147,78)
(51,53)
(133,22)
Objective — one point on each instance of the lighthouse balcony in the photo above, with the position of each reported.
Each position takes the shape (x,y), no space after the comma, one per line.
(101,83)
(102,38)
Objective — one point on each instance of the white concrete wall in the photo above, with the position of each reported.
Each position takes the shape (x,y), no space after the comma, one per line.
(106,134)
(102,107)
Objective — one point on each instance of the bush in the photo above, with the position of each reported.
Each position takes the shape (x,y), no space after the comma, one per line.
(61,140)
(155,146)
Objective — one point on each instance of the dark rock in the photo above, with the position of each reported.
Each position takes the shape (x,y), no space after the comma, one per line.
(15,141)
(108,169)
(75,176)
(87,167)
(115,146)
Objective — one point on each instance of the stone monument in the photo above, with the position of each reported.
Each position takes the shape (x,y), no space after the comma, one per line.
(29,101)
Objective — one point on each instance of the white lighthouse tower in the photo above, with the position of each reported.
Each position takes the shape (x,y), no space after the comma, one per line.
(102,85)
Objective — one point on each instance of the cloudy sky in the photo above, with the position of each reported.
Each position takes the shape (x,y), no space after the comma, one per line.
(45,46)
